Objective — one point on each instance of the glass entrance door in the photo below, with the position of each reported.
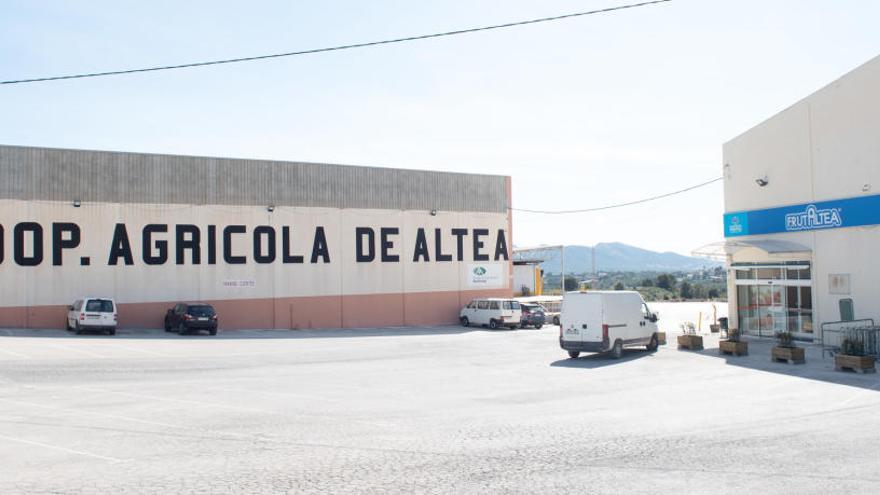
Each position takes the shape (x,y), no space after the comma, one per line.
(775,298)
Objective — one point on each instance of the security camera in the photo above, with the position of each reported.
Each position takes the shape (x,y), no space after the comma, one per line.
(762,181)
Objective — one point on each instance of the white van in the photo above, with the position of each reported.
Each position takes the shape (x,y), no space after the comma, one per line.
(92,313)
(601,321)
(491,312)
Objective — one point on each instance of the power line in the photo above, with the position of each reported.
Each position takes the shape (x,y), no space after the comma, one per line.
(336,48)
(619,205)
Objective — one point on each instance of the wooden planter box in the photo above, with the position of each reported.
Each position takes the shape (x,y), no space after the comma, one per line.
(714,328)
(690,341)
(859,364)
(661,338)
(735,348)
(791,355)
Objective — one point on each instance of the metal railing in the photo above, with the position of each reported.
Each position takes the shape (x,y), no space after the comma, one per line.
(862,331)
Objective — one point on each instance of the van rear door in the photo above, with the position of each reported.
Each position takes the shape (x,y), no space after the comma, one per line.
(581,317)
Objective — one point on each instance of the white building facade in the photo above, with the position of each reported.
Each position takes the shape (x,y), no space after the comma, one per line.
(802,212)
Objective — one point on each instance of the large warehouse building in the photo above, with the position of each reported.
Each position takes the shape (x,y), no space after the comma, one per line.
(802,207)
(269,244)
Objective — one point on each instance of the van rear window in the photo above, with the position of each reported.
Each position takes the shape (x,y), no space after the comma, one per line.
(100,305)
(511,305)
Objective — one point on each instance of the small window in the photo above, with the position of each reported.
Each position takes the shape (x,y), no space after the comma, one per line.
(201,310)
(483,305)
(645,311)
(78,305)
(847,312)
(745,274)
(494,305)
(769,273)
(511,305)
(100,306)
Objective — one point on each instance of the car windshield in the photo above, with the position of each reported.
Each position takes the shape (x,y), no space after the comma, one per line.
(201,310)
(100,305)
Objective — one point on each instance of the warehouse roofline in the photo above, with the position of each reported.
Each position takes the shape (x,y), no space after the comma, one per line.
(34,173)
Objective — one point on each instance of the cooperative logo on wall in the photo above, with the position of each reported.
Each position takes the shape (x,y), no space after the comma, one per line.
(486,275)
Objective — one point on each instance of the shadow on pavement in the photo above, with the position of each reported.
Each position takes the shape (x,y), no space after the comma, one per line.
(600,360)
(815,368)
(224,335)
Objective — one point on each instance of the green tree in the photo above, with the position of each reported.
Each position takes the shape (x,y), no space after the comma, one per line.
(619,286)
(665,281)
(686,291)
(713,294)
(647,283)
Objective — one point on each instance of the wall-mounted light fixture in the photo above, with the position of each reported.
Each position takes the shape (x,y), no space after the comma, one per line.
(866,188)
(77,203)
(762,181)
(433,213)
(270,208)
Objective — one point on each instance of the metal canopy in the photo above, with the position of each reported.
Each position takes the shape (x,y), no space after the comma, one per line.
(720,250)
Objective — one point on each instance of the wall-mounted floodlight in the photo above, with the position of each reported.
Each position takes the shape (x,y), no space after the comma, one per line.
(433,213)
(866,188)
(270,208)
(77,203)
(762,181)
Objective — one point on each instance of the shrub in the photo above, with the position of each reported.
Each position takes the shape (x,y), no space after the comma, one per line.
(734,335)
(852,347)
(785,339)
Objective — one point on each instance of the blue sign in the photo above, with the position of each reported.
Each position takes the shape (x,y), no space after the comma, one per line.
(850,212)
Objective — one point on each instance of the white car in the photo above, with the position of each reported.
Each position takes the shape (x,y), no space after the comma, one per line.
(602,321)
(492,313)
(92,314)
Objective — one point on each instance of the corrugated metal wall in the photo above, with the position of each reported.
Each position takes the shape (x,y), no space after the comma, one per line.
(100,176)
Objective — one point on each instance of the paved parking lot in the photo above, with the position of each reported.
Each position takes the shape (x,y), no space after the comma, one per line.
(443,410)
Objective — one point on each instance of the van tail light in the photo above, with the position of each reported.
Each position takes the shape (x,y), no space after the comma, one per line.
(82,316)
(605,333)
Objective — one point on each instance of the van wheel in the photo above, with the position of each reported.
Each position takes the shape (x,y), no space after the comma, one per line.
(493,324)
(464,321)
(181,329)
(67,325)
(167,325)
(652,346)
(556,320)
(538,326)
(111,332)
(573,354)
(76,329)
(617,350)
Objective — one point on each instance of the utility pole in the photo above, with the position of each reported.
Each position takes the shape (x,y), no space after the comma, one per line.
(562,265)
(593,256)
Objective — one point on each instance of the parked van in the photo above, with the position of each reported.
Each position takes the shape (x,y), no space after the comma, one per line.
(92,313)
(602,321)
(492,313)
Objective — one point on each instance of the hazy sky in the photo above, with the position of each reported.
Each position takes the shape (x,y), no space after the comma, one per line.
(580,113)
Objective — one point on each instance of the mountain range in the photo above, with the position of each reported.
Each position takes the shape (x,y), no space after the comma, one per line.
(617,257)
